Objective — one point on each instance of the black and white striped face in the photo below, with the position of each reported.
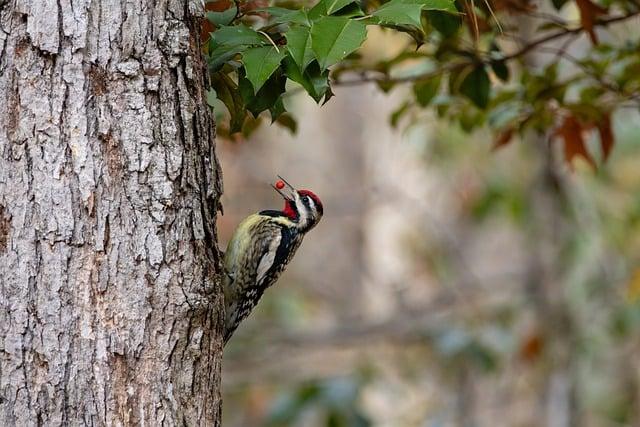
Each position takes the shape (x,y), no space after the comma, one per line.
(301,206)
(309,209)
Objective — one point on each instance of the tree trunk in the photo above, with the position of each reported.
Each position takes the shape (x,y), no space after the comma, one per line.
(110,307)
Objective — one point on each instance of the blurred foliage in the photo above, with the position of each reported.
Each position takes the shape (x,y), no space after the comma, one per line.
(462,63)
(571,308)
(337,399)
(568,303)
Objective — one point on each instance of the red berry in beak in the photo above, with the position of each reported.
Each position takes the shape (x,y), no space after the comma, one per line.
(280,184)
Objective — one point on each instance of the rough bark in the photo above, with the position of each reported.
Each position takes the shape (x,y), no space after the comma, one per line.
(110,309)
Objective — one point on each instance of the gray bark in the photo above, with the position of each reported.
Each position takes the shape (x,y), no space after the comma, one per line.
(110,308)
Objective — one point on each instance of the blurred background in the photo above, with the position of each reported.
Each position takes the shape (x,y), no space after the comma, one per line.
(448,284)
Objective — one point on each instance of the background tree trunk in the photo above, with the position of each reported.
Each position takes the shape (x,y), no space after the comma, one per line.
(110,309)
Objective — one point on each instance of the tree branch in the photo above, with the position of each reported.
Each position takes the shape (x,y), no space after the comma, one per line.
(487,61)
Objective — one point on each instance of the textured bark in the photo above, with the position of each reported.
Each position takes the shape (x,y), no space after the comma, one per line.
(110,309)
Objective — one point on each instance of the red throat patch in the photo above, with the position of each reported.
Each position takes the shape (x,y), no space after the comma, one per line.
(290,209)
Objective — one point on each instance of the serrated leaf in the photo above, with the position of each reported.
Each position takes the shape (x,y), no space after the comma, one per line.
(408,12)
(222,18)
(476,87)
(335,5)
(333,38)
(328,7)
(260,63)
(312,80)
(443,5)
(237,35)
(222,54)
(280,15)
(351,11)
(266,97)
(397,12)
(299,46)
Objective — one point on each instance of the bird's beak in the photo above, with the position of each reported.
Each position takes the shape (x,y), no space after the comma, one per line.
(288,192)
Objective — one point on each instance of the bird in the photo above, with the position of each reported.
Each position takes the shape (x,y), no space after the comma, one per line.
(260,249)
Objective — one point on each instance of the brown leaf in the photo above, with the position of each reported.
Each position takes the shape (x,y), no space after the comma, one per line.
(514,6)
(606,135)
(531,346)
(589,13)
(253,5)
(503,138)
(571,132)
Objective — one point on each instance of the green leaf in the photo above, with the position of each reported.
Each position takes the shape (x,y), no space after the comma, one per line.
(333,38)
(287,121)
(351,11)
(312,80)
(328,7)
(277,110)
(505,115)
(335,5)
(260,63)
(299,46)
(445,23)
(404,13)
(398,113)
(397,12)
(558,3)
(426,90)
(237,35)
(280,15)
(222,18)
(385,85)
(266,97)
(501,70)
(476,87)
(223,54)
(227,92)
(443,5)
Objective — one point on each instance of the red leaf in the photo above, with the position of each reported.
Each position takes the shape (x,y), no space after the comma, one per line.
(531,346)
(589,13)
(571,132)
(503,138)
(253,5)
(218,5)
(606,136)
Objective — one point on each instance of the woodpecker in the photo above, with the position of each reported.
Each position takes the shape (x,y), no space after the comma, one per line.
(261,247)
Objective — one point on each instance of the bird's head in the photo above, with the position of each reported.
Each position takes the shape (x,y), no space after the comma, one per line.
(301,206)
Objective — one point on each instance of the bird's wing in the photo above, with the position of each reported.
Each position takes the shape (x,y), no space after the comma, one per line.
(268,256)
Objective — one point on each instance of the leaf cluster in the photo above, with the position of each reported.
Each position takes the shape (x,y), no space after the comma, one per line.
(253,55)
(457,60)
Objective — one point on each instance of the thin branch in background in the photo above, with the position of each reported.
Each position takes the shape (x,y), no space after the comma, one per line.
(495,18)
(451,67)
(550,18)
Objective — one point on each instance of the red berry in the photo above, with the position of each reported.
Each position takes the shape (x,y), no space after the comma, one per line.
(279,184)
